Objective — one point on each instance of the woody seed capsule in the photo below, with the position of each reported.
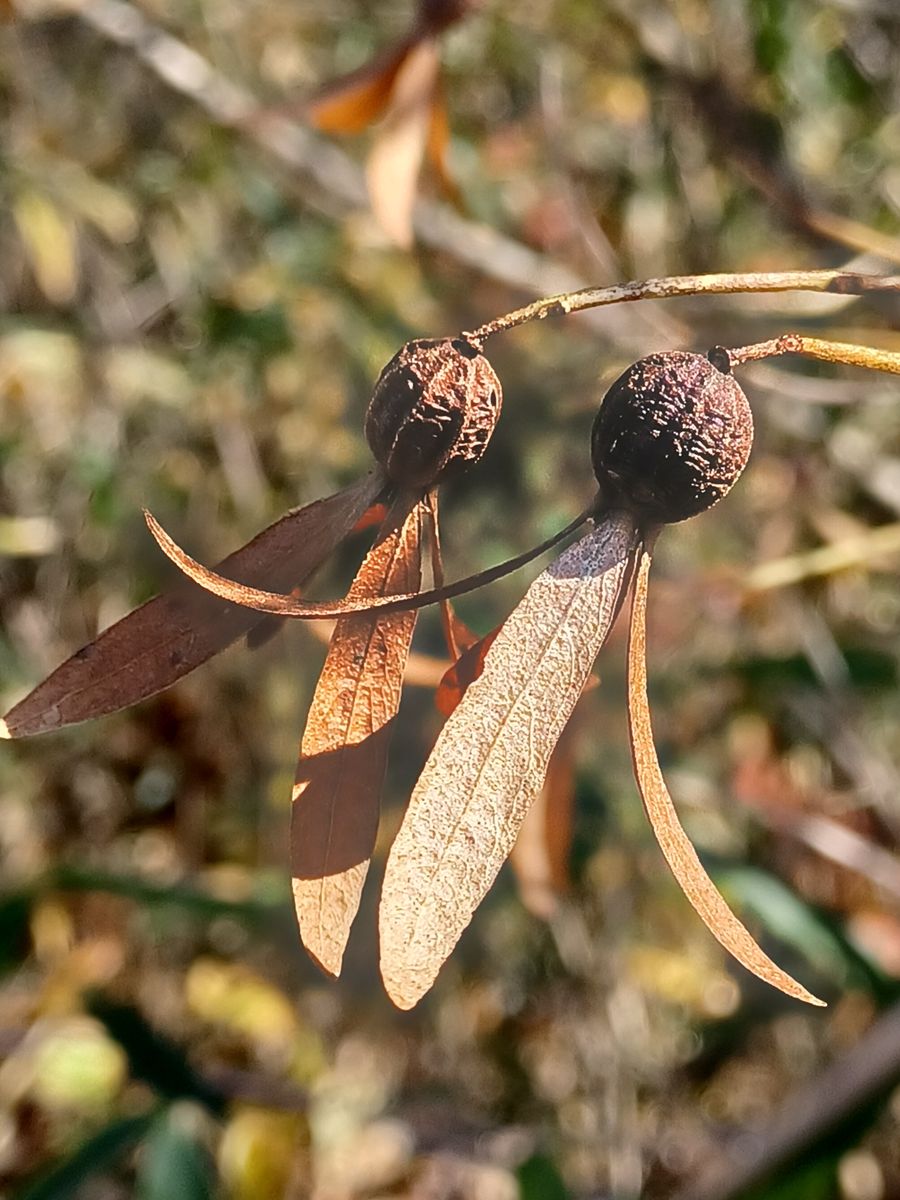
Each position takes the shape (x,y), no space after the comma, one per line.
(672,436)
(433,411)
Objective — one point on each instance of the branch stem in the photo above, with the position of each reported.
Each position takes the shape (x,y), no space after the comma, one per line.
(834,352)
(839,282)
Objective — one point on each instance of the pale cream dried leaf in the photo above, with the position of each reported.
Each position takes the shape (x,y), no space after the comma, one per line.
(540,856)
(681,856)
(334,817)
(394,163)
(491,757)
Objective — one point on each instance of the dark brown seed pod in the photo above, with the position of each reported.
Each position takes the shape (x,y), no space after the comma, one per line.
(433,410)
(672,436)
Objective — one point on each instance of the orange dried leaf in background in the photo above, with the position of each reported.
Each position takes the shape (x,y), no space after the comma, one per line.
(540,857)
(334,818)
(464,671)
(393,167)
(349,104)
(677,849)
(170,635)
(437,146)
(490,759)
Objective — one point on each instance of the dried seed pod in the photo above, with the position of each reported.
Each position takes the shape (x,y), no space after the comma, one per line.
(672,436)
(433,410)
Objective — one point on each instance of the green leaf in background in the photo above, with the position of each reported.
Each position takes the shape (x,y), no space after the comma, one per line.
(15,912)
(94,1155)
(786,916)
(540,1180)
(266,901)
(812,1178)
(264,331)
(174,1164)
(767,675)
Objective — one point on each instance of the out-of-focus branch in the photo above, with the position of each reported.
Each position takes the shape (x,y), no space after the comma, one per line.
(854,1079)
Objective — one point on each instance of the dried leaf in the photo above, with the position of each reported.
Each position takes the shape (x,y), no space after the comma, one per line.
(392,170)
(178,630)
(456,634)
(681,856)
(437,147)
(374,515)
(283,605)
(349,104)
(491,757)
(540,856)
(464,671)
(262,633)
(344,750)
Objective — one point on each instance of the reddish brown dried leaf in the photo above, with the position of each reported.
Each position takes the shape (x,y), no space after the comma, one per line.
(677,850)
(394,163)
(491,757)
(374,515)
(540,856)
(349,104)
(178,630)
(464,671)
(262,633)
(344,750)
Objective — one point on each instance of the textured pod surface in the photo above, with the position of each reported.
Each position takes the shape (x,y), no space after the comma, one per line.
(671,438)
(433,410)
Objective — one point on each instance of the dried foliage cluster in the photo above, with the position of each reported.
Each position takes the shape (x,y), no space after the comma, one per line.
(671,438)
(197,294)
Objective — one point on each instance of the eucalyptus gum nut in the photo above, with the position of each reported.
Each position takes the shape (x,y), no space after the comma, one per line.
(432,411)
(672,437)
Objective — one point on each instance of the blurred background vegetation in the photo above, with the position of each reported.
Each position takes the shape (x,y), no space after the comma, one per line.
(194,308)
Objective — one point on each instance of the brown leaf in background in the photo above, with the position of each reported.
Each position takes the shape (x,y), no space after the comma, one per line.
(393,167)
(343,755)
(437,146)
(178,630)
(677,849)
(491,757)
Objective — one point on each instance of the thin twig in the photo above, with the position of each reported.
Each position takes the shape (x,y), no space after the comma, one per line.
(834,352)
(840,282)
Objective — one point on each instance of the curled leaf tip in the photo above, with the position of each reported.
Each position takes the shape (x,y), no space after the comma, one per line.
(211,581)
(679,853)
